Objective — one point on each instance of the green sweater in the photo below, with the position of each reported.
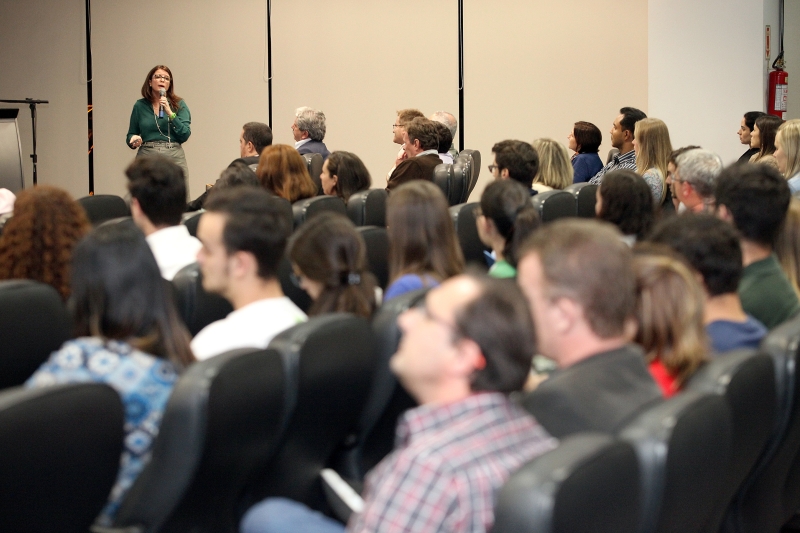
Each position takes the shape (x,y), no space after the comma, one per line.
(502,269)
(766,293)
(143,123)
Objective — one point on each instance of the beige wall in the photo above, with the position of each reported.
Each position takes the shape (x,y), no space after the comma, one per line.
(791,45)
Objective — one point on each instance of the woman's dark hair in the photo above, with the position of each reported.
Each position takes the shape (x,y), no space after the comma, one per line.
(750,118)
(768,128)
(627,202)
(351,174)
(328,249)
(508,205)
(237,174)
(587,137)
(118,293)
(150,95)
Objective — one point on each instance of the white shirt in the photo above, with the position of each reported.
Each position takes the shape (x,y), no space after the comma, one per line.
(173,248)
(447,159)
(252,326)
(298,144)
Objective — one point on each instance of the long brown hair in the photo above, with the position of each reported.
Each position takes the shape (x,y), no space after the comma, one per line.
(422,238)
(282,171)
(37,242)
(151,96)
(655,147)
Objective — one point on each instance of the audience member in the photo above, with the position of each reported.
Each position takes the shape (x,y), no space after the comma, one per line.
(37,242)
(711,246)
(308,130)
(626,201)
(404,116)
(244,233)
(423,248)
(158,197)
(129,337)
(445,142)
(622,135)
(755,198)
(694,179)
(329,259)
(787,153)
(763,138)
(745,131)
(421,144)
(555,170)
(254,138)
(238,173)
(344,174)
(506,218)
(578,277)
(653,147)
(585,140)
(452,124)
(669,312)
(787,245)
(515,160)
(460,356)
(283,172)
(672,168)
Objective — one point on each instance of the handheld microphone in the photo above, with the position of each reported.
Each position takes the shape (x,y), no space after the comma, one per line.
(163,93)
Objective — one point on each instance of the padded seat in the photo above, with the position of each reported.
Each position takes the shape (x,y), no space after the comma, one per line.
(463,216)
(453,180)
(376,240)
(314,165)
(475,169)
(589,483)
(302,210)
(197,307)
(298,296)
(191,221)
(552,205)
(33,324)
(585,198)
(368,208)
(102,207)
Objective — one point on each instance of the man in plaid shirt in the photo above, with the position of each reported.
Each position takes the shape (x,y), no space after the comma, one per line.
(462,352)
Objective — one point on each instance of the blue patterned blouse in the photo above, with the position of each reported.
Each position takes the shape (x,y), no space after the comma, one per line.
(143,382)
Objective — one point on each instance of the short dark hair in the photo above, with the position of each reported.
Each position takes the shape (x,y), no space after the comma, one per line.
(630,116)
(750,118)
(255,223)
(757,197)
(351,173)
(710,245)
(259,134)
(588,137)
(159,186)
(520,158)
(508,205)
(499,321)
(424,130)
(627,202)
(445,137)
(237,174)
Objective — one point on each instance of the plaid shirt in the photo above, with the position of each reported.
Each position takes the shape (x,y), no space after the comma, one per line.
(448,464)
(627,161)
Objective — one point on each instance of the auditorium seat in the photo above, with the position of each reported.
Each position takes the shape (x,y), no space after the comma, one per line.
(60,449)
(191,220)
(102,207)
(368,208)
(298,296)
(127,221)
(373,436)
(611,153)
(333,356)
(314,165)
(746,380)
(33,324)
(475,170)
(376,240)
(463,216)
(223,421)
(684,448)
(585,198)
(589,483)
(304,209)
(453,180)
(555,204)
(197,307)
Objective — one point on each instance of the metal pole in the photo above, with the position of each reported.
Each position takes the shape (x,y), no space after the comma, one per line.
(269,59)
(89,106)
(461,75)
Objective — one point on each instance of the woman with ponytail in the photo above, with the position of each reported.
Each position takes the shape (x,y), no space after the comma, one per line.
(328,256)
(505,219)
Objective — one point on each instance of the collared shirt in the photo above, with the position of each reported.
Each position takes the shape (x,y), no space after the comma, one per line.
(447,159)
(627,161)
(173,248)
(449,462)
(298,144)
(794,183)
(433,151)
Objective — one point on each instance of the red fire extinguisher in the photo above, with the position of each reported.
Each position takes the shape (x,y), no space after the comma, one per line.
(778,88)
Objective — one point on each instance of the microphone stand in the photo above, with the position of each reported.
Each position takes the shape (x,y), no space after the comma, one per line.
(32,104)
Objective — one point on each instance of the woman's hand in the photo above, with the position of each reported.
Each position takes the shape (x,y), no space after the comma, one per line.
(165,104)
(136,141)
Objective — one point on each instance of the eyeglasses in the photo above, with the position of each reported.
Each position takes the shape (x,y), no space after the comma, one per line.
(395,126)
(492,168)
(161,77)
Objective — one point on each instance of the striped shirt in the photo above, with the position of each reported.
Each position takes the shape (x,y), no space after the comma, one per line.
(627,161)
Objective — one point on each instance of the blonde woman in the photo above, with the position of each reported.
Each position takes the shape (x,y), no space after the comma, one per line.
(555,168)
(787,153)
(653,148)
(787,245)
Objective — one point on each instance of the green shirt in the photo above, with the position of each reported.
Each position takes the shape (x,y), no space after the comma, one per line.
(502,269)
(767,294)
(143,123)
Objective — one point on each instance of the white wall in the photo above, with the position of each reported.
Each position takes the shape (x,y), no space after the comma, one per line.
(791,42)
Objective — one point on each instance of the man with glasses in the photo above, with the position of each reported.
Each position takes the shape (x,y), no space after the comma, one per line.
(515,160)
(462,352)
(421,145)
(693,180)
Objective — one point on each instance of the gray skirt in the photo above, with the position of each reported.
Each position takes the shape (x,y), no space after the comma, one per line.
(174,151)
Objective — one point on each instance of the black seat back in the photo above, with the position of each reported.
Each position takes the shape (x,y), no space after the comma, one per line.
(222,423)
(33,324)
(589,483)
(126,221)
(60,449)
(463,216)
(102,207)
(453,180)
(746,380)
(298,296)
(197,307)
(314,165)
(552,205)
(376,240)
(475,170)
(368,208)
(302,210)
(191,220)
(684,448)
(585,198)
(333,360)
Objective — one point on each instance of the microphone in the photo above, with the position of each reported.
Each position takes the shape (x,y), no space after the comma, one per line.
(163,93)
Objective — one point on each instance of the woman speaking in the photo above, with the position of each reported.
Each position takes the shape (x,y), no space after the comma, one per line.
(160,121)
